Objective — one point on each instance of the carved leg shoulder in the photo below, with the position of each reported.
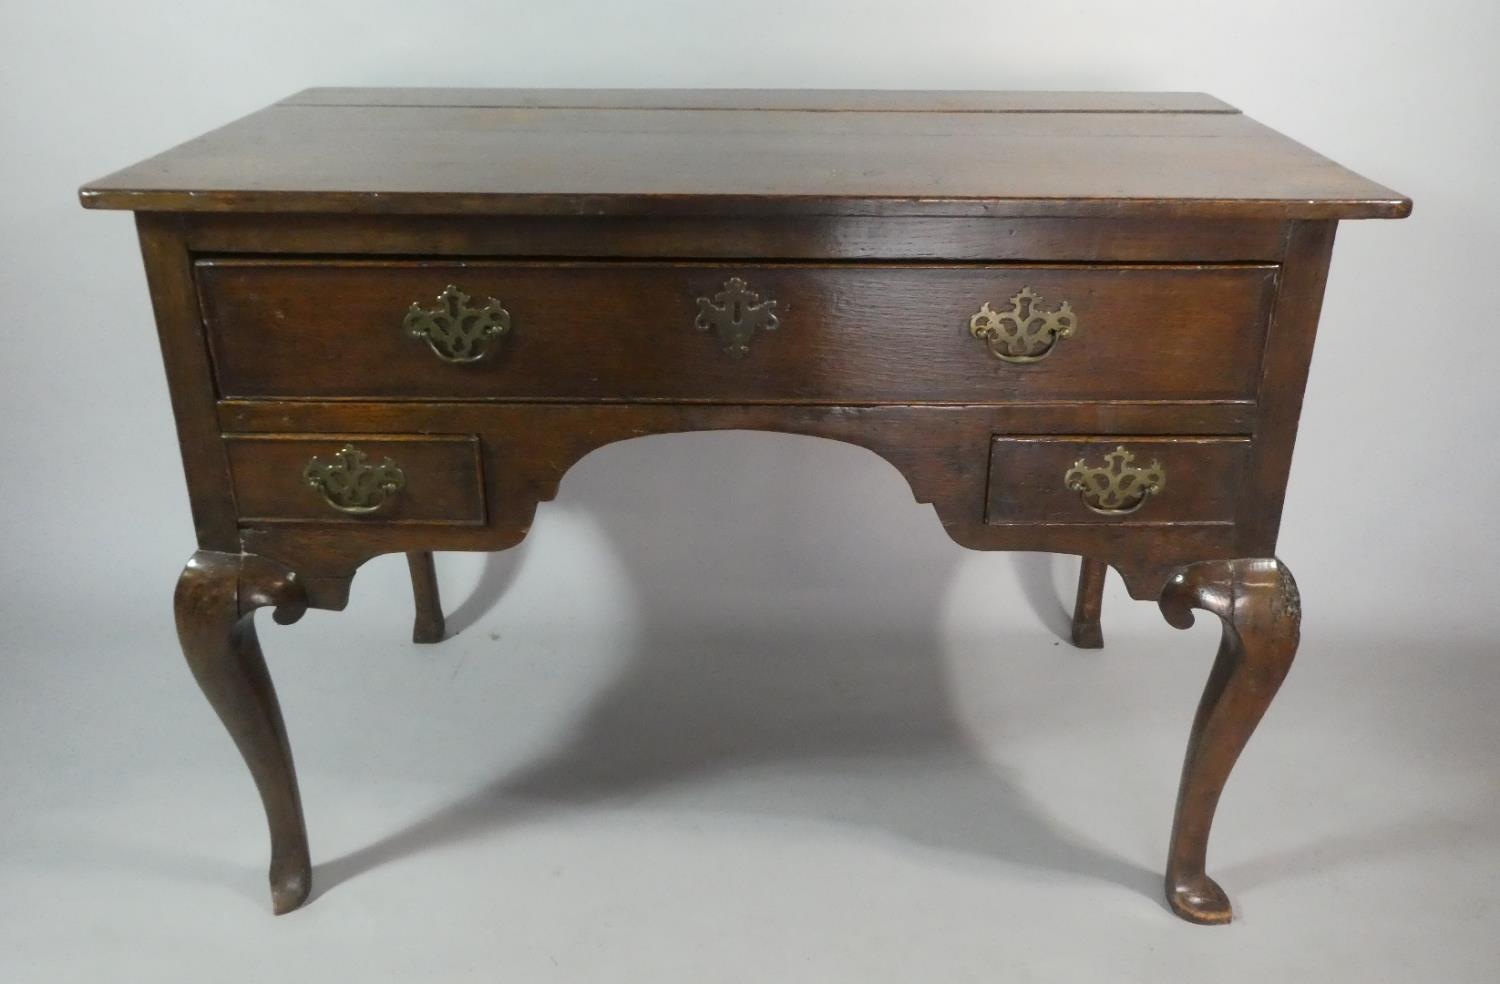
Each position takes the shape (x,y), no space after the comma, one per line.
(216,599)
(1258,603)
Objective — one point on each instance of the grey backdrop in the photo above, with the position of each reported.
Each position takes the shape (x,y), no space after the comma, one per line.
(738,708)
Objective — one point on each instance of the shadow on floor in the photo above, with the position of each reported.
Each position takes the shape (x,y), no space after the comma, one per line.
(741,664)
(1035,572)
(497,575)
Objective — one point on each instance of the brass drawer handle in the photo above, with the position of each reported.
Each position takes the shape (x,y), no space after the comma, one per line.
(1024,333)
(455,331)
(352,485)
(1117,488)
(734,313)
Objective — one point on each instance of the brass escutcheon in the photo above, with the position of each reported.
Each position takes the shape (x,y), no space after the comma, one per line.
(1024,333)
(734,313)
(455,331)
(1116,488)
(352,485)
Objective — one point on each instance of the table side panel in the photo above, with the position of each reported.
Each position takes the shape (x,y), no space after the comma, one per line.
(190,380)
(1284,370)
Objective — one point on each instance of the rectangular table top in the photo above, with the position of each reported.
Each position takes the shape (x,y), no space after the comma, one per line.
(740,152)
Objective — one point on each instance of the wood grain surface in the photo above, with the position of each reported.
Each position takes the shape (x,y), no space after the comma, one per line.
(625,332)
(525,152)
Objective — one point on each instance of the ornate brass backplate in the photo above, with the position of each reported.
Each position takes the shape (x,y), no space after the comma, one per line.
(734,313)
(1117,487)
(455,331)
(352,485)
(1025,333)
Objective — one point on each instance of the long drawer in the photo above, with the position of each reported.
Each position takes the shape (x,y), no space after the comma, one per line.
(848,333)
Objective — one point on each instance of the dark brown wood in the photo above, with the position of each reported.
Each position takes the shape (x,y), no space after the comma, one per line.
(184,351)
(217,596)
(1261,610)
(428,627)
(1087,607)
(1284,368)
(444,483)
(709,237)
(626,332)
(1203,480)
(1192,244)
(942,452)
(1231,418)
(879,156)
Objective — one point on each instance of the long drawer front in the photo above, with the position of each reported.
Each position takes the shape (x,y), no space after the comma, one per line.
(733,333)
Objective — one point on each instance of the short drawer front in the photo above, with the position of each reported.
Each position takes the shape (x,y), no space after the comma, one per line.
(1115,480)
(649,331)
(357,478)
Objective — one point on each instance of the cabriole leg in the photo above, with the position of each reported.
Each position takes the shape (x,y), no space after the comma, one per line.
(1258,603)
(429,625)
(216,600)
(1086,609)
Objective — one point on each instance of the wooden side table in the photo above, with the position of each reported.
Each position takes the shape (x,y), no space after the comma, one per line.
(1075,322)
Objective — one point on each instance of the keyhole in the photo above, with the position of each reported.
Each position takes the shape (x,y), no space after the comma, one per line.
(734,311)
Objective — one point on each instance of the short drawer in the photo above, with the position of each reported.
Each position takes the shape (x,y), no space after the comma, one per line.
(1113,480)
(627,331)
(356,478)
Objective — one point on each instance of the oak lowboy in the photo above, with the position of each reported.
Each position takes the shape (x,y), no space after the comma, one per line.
(1075,322)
